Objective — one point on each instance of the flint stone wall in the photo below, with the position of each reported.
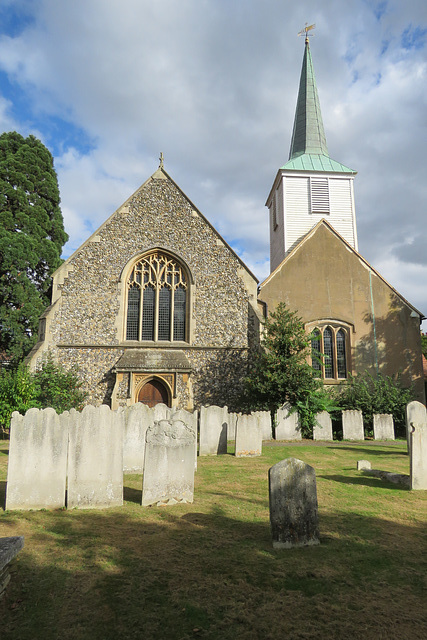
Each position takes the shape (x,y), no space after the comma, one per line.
(383,426)
(352,425)
(37,468)
(287,426)
(293,504)
(213,430)
(95,458)
(322,429)
(168,464)
(248,436)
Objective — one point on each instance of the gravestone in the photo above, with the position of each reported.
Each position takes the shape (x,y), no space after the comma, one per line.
(383,426)
(37,468)
(161,412)
(137,418)
(248,436)
(352,425)
(191,420)
(322,429)
(415,414)
(231,426)
(264,419)
(363,464)
(213,430)
(287,424)
(95,458)
(168,464)
(418,464)
(9,548)
(293,504)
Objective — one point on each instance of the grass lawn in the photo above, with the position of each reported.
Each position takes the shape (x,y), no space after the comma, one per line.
(208,570)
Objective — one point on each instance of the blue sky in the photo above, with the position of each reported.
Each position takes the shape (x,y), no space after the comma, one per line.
(107,85)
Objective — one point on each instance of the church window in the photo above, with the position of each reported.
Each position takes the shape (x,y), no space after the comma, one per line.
(157,292)
(329,352)
(319,195)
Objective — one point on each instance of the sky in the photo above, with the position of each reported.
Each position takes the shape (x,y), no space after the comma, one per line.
(107,85)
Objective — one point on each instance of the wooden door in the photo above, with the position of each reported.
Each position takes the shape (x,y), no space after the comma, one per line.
(153,392)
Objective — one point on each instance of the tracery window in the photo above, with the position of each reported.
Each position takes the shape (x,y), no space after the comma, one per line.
(329,352)
(157,291)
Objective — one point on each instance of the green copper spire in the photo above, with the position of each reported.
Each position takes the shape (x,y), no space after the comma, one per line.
(308,135)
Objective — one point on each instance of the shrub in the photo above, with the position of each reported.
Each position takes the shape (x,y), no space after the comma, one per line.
(17,393)
(376,394)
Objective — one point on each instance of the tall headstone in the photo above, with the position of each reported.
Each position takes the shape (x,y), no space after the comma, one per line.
(415,414)
(352,425)
(293,504)
(264,419)
(95,459)
(383,426)
(37,467)
(190,420)
(418,463)
(168,464)
(213,430)
(322,429)
(137,418)
(287,424)
(248,436)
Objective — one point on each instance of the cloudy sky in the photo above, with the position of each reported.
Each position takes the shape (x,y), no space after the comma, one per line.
(108,84)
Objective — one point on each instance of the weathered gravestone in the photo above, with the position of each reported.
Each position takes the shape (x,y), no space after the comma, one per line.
(231,426)
(9,547)
(415,414)
(418,465)
(161,412)
(352,425)
(191,420)
(322,429)
(287,424)
(213,430)
(137,418)
(168,464)
(264,419)
(248,436)
(95,458)
(37,469)
(383,426)
(293,504)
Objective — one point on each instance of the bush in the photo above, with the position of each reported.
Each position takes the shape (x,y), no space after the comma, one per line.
(376,394)
(49,386)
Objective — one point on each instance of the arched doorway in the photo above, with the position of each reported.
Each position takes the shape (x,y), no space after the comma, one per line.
(153,392)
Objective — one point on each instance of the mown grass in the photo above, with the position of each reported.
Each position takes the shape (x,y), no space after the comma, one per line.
(208,570)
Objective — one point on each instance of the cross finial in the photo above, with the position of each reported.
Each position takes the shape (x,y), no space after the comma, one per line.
(306,30)
(161,165)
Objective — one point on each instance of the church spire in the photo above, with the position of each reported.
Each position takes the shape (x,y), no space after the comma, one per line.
(308,135)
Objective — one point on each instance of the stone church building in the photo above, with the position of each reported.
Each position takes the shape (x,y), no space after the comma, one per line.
(156,307)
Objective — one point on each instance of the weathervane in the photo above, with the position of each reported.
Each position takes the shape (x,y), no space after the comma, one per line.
(306,30)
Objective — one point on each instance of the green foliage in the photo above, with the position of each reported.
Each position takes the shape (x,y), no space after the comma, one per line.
(31,240)
(280,371)
(49,386)
(376,394)
(424,344)
(17,393)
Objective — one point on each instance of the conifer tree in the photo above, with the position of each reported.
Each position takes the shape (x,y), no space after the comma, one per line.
(31,239)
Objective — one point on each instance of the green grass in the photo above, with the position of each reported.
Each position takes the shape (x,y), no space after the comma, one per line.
(208,570)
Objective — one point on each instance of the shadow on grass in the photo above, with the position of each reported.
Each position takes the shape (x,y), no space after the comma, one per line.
(3,484)
(5,453)
(378,483)
(132,495)
(373,451)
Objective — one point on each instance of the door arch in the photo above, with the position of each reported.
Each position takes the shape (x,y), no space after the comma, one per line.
(153,392)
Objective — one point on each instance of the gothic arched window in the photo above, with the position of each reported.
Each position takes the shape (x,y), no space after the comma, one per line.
(329,352)
(157,291)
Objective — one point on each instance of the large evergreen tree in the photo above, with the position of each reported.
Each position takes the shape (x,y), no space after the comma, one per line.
(31,239)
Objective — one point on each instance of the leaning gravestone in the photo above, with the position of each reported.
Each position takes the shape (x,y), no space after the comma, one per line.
(418,465)
(137,418)
(248,436)
(168,464)
(95,458)
(352,425)
(287,427)
(415,414)
(37,468)
(293,504)
(322,429)
(213,430)
(383,426)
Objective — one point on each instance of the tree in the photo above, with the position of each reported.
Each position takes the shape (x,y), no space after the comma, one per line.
(424,344)
(280,371)
(31,240)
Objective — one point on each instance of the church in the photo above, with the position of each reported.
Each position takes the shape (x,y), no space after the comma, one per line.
(156,307)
